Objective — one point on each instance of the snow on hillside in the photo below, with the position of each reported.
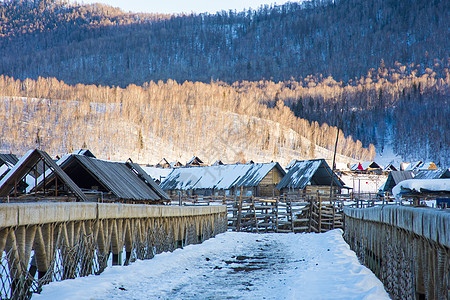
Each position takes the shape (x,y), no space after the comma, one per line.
(236,266)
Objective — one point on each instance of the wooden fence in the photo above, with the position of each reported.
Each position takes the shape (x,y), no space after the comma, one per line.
(293,212)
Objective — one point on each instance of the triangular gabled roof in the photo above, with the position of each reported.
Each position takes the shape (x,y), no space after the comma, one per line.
(367,165)
(313,172)
(176,164)
(126,181)
(357,167)
(217,163)
(194,161)
(85,152)
(163,163)
(26,164)
(390,167)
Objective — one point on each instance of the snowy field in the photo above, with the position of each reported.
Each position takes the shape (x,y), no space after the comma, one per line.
(236,266)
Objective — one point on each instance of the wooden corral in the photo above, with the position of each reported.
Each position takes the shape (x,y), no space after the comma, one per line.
(291,212)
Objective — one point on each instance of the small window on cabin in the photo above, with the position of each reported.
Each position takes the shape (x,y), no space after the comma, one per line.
(238,193)
(249,193)
(227,192)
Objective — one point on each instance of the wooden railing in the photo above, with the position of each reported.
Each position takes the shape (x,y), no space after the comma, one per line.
(407,248)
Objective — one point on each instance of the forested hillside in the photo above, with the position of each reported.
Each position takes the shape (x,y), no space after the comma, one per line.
(380,65)
(214,121)
(101,45)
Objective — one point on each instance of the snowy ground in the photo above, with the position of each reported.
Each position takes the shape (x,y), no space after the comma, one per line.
(236,266)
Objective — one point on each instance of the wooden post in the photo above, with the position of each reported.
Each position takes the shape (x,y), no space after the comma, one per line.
(334,213)
(320,212)
(254,215)
(35,182)
(238,225)
(56,186)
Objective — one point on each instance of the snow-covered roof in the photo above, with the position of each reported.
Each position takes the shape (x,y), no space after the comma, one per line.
(313,172)
(194,161)
(433,174)
(291,163)
(390,167)
(157,173)
(85,152)
(421,186)
(427,166)
(163,163)
(412,166)
(220,177)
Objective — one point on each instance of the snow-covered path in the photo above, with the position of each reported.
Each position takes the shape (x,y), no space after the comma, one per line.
(236,266)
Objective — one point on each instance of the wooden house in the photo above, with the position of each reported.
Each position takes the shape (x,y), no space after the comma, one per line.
(195,162)
(310,176)
(254,179)
(107,181)
(28,165)
(163,163)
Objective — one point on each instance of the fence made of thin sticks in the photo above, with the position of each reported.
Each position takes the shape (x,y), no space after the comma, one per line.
(407,248)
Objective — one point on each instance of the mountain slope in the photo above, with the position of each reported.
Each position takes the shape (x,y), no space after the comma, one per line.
(101,45)
(214,121)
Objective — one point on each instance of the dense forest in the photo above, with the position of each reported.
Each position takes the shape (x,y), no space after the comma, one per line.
(101,45)
(378,69)
(171,120)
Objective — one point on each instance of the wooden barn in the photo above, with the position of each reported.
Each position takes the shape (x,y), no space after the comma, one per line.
(258,179)
(11,190)
(310,176)
(163,163)
(111,181)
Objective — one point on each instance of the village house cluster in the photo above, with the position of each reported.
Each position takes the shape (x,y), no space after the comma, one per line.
(80,176)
